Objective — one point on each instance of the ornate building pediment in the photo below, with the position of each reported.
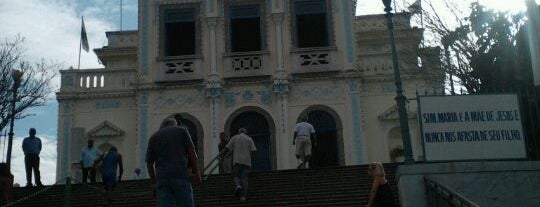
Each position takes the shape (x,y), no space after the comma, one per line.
(392,114)
(106,129)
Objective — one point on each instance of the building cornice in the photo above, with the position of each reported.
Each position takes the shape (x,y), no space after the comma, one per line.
(60,96)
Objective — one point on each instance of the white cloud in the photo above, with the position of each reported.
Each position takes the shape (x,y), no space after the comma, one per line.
(52,29)
(52,32)
(47,165)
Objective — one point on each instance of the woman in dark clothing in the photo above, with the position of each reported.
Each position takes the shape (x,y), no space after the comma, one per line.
(381,193)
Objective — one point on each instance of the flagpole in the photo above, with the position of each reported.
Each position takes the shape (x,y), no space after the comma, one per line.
(120,15)
(80,47)
(421,15)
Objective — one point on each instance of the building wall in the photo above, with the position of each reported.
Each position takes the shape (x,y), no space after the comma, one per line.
(347,87)
(488,183)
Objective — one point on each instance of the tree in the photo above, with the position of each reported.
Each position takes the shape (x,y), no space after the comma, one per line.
(34,86)
(483,47)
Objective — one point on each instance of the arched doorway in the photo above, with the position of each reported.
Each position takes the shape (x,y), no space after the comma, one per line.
(192,129)
(260,128)
(195,130)
(329,149)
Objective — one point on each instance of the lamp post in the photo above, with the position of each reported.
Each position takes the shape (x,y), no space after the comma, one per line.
(16,75)
(400,98)
(447,41)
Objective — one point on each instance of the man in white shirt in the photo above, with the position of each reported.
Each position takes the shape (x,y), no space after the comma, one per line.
(243,149)
(304,136)
(89,154)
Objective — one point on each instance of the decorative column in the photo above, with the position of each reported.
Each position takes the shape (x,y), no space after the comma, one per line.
(213,88)
(212,46)
(213,92)
(142,129)
(66,117)
(278,21)
(281,89)
(356,110)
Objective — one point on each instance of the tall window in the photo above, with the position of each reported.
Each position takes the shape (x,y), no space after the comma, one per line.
(179,32)
(245,28)
(311,23)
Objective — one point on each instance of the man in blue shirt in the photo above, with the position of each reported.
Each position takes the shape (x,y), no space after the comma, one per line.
(88,156)
(169,151)
(112,161)
(32,147)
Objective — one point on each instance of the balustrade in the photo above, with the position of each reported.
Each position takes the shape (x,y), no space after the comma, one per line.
(310,60)
(96,79)
(179,69)
(246,64)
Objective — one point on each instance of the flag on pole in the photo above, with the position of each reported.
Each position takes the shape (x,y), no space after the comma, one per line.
(84,38)
(533,12)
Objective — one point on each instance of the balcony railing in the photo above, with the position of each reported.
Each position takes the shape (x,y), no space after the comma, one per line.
(308,60)
(182,68)
(96,80)
(246,64)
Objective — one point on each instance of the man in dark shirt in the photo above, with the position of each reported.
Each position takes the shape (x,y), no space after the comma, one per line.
(32,147)
(170,149)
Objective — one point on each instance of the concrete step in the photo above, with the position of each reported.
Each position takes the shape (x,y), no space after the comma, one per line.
(333,186)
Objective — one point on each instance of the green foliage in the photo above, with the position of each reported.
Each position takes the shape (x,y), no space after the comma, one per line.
(497,63)
(487,49)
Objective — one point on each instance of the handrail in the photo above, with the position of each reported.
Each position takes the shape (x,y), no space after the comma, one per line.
(67,191)
(433,188)
(20,200)
(216,158)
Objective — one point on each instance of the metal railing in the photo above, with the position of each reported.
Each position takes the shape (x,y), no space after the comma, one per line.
(67,192)
(439,195)
(212,166)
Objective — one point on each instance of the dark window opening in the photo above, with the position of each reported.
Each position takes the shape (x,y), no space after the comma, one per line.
(311,24)
(180,32)
(245,29)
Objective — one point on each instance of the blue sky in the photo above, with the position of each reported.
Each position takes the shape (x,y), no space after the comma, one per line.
(52,32)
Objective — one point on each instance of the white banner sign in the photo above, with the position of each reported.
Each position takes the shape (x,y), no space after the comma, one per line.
(471,127)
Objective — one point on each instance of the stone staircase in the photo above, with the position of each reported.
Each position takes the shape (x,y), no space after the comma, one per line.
(333,186)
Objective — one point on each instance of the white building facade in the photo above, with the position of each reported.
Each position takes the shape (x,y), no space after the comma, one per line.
(257,64)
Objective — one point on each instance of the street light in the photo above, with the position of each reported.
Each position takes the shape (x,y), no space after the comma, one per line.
(400,98)
(16,75)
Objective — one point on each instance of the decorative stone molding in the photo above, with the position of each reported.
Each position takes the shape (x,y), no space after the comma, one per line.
(179,69)
(213,86)
(107,105)
(328,92)
(311,60)
(354,87)
(233,98)
(281,84)
(106,129)
(211,22)
(278,18)
(175,100)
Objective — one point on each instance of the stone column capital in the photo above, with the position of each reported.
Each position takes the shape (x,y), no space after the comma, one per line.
(211,22)
(278,17)
(281,84)
(213,86)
